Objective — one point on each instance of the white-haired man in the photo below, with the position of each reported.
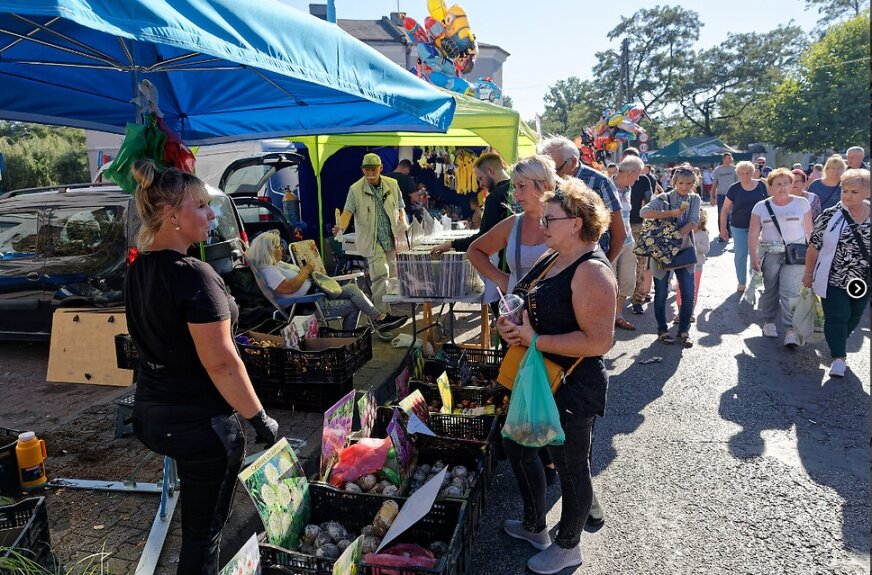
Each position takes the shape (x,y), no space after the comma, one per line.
(855,156)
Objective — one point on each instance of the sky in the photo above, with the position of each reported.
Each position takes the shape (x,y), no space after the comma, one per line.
(550,40)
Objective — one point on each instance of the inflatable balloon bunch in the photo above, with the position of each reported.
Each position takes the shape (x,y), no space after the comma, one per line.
(612,129)
(446,46)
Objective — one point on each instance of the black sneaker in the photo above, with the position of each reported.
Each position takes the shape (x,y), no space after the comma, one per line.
(637,309)
(390,321)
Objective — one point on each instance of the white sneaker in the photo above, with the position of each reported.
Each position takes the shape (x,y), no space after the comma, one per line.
(790,340)
(838,368)
(769,330)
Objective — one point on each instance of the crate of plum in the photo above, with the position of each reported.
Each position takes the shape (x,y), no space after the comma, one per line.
(337,518)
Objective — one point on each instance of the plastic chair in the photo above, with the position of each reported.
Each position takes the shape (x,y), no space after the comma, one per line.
(307,251)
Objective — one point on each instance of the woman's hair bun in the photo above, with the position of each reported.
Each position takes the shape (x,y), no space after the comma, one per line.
(143,173)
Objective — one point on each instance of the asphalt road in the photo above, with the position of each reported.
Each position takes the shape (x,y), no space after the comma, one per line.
(735,456)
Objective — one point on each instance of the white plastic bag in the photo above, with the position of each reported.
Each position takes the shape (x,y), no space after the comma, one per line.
(753,287)
(808,317)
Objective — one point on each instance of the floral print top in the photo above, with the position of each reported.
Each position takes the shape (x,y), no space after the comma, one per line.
(848,261)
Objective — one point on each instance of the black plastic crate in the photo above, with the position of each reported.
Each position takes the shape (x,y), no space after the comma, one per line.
(333,365)
(459,393)
(8,465)
(24,526)
(354,510)
(126,356)
(314,397)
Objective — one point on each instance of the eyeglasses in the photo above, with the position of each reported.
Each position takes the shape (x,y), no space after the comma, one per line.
(563,165)
(545,221)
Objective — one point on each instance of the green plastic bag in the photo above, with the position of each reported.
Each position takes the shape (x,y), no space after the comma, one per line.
(533,419)
(808,317)
(141,141)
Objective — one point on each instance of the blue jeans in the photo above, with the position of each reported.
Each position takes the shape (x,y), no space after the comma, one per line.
(352,301)
(721,198)
(661,292)
(740,254)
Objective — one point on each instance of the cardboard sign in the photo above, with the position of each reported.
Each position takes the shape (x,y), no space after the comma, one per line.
(415,425)
(416,507)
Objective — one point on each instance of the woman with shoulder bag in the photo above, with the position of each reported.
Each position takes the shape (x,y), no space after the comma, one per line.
(576,271)
(838,254)
(682,205)
(780,226)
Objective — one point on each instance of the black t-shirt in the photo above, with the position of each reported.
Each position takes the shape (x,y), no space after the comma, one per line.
(406,183)
(164,292)
(743,202)
(640,194)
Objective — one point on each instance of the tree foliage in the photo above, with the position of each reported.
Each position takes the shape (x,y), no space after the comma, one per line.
(834,10)
(660,51)
(37,155)
(826,104)
(739,70)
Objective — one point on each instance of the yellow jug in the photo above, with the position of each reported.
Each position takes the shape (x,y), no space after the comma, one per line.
(31,455)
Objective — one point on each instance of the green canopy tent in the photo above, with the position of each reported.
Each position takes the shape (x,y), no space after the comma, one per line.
(698,150)
(475,123)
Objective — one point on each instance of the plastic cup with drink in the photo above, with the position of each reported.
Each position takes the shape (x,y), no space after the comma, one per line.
(511,307)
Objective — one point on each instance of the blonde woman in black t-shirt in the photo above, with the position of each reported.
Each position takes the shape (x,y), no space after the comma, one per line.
(192,382)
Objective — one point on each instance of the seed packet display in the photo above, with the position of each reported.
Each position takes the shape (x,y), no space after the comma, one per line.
(444,393)
(366,409)
(334,435)
(402,447)
(347,562)
(280,491)
(415,403)
(403,383)
(246,561)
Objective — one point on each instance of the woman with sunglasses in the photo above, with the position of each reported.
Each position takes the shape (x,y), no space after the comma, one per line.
(574,271)
(741,199)
(798,190)
(682,205)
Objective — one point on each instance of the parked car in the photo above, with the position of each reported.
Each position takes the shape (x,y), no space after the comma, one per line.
(70,246)
(245,181)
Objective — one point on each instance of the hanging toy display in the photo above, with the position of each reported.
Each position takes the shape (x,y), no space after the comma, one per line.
(446,47)
(605,137)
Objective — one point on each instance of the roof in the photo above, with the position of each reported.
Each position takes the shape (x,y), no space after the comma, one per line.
(698,149)
(373,30)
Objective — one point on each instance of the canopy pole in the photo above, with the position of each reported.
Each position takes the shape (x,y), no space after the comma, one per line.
(320,214)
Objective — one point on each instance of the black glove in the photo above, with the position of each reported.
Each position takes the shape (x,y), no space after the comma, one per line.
(266,427)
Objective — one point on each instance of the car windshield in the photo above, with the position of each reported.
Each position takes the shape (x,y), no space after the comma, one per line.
(224,226)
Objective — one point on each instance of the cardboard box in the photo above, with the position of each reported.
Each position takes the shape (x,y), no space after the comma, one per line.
(82,346)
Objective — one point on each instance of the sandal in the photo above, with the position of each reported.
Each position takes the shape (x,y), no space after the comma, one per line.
(685,340)
(624,324)
(664,337)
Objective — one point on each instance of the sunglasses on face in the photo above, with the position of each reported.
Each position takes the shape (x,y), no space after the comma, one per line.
(545,221)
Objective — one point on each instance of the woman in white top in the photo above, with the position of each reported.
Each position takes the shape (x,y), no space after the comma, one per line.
(766,244)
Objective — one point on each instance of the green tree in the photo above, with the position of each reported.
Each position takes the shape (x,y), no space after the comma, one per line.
(826,104)
(661,43)
(39,155)
(559,100)
(739,71)
(833,10)
(507,101)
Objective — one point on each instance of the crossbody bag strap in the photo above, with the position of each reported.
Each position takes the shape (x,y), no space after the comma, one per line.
(519,222)
(775,221)
(856,231)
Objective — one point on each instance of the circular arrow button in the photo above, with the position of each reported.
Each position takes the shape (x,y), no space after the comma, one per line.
(857,288)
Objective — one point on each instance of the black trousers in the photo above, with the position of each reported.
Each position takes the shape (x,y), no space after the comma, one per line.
(208,450)
(572,463)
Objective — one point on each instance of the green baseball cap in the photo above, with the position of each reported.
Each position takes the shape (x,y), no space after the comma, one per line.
(371,160)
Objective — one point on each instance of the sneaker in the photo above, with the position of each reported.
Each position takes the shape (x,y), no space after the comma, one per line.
(596,517)
(637,309)
(555,559)
(769,330)
(516,529)
(790,340)
(721,240)
(391,321)
(383,334)
(838,368)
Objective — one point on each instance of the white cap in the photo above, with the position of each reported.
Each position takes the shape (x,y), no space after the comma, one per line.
(26,436)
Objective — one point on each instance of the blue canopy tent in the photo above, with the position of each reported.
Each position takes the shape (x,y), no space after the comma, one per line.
(225,70)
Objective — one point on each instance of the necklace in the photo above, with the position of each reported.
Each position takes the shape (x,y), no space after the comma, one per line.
(862,213)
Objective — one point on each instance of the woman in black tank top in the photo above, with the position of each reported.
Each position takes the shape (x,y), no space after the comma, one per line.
(570,303)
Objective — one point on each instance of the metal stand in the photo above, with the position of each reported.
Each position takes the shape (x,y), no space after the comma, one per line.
(169,498)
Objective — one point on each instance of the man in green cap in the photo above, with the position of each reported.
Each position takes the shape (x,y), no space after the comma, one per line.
(377,205)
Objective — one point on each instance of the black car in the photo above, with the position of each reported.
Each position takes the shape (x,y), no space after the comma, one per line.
(70,246)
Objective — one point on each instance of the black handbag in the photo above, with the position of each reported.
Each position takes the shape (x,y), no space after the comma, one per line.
(684,258)
(794,254)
